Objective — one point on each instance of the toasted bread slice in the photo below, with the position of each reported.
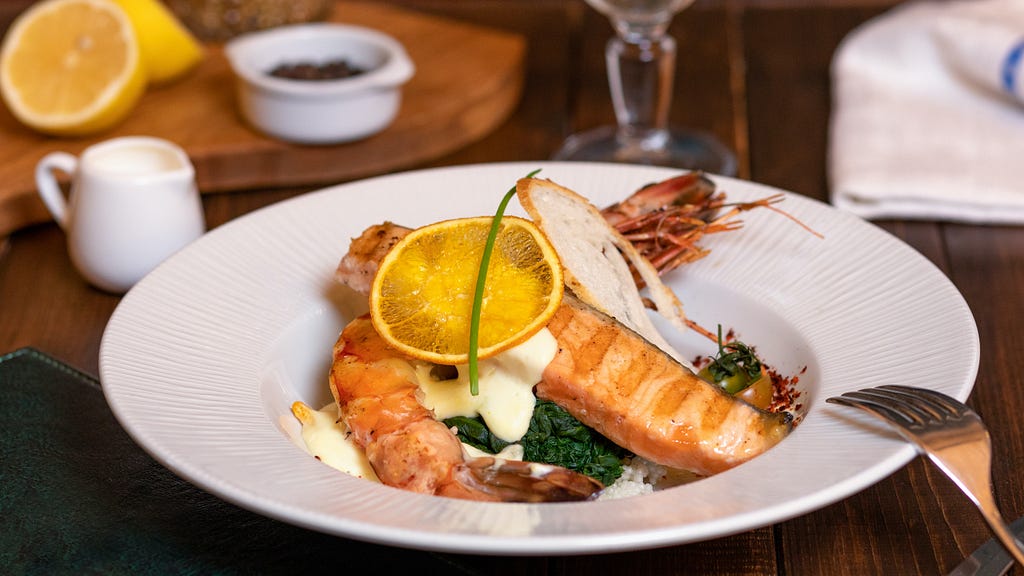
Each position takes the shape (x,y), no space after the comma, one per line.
(594,257)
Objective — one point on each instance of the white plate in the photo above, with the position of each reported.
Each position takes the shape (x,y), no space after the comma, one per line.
(202,359)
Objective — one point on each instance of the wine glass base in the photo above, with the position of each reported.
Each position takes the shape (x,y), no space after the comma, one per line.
(677,148)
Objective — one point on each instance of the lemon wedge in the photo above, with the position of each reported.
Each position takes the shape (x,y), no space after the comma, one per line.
(169,50)
(71,67)
(422,296)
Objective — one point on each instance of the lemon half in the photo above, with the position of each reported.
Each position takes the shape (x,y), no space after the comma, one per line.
(71,67)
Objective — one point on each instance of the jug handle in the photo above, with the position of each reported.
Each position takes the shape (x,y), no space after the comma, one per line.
(49,190)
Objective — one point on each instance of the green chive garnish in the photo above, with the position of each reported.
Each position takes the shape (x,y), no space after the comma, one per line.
(478,295)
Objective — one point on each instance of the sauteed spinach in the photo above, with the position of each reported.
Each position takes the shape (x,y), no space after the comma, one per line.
(554,437)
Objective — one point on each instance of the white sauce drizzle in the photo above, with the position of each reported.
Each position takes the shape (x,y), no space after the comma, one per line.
(506,399)
(510,452)
(327,438)
(505,402)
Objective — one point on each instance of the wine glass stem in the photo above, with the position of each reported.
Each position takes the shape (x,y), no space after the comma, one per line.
(640,74)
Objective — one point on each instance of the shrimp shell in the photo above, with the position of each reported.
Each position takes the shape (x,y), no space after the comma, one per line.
(409,449)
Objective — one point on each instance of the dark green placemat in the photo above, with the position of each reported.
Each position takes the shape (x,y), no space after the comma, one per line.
(78,496)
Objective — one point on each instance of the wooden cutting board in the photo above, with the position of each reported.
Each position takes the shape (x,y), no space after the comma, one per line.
(468,80)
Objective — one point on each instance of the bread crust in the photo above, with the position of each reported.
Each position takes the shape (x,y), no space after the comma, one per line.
(594,255)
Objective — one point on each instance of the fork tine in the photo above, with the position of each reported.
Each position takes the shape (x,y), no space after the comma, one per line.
(923,409)
(872,407)
(910,415)
(951,434)
(937,398)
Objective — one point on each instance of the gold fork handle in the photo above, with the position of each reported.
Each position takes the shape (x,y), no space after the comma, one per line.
(970,469)
(1001,531)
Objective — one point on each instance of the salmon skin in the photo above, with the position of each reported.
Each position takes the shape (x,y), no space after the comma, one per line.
(621,385)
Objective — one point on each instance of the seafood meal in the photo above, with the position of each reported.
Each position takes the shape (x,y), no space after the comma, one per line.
(588,400)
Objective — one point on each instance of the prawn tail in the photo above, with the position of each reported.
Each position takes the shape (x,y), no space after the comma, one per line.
(517,481)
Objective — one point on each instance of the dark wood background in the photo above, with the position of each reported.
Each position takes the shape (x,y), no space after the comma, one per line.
(756,74)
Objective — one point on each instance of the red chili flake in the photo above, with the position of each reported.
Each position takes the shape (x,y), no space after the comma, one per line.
(784,388)
(785,394)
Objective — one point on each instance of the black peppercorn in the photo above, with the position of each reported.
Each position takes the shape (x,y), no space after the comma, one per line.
(331,70)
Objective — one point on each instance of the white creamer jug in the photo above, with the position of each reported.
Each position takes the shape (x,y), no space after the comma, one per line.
(133,202)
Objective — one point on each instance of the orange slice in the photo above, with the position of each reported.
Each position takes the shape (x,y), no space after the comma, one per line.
(422,296)
(71,67)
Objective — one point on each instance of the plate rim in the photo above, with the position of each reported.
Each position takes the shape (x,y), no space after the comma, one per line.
(484,544)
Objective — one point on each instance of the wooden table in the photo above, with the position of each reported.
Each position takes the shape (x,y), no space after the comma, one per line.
(756,74)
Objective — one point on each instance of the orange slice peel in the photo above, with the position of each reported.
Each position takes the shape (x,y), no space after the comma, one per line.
(422,296)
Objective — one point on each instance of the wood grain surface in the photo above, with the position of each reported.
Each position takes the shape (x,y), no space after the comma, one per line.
(756,74)
(445,106)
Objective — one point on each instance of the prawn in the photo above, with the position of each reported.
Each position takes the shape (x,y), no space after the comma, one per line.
(665,221)
(358,267)
(606,376)
(407,448)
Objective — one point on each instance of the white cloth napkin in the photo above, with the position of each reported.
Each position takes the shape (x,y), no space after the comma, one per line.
(928,118)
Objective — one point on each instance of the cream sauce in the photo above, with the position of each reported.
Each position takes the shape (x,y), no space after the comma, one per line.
(510,452)
(327,438)
(505,402)
(506,399)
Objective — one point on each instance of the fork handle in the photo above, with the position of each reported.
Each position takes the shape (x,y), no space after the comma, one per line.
(986,504)
(971,470)
(1002,533)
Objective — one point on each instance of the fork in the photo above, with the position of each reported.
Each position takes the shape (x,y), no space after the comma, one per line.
(951,434)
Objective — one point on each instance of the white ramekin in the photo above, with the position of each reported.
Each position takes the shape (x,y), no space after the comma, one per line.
(319,111)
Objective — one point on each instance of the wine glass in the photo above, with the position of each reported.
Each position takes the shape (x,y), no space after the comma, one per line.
(641,65)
